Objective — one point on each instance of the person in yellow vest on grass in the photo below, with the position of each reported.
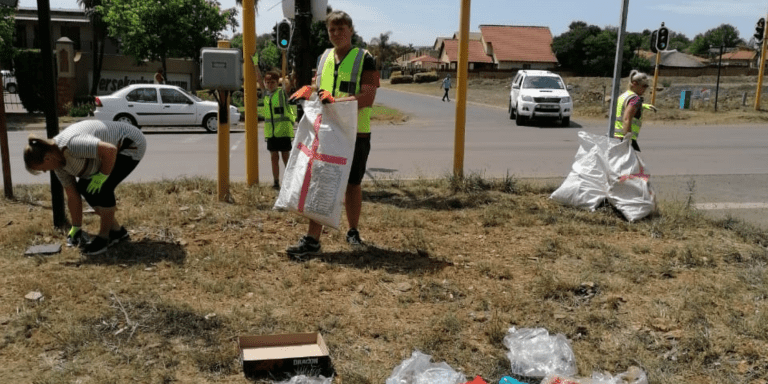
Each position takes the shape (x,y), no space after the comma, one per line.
(629,110)
(344,73)
(278,121)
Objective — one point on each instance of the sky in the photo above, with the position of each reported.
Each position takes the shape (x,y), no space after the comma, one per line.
(420,22)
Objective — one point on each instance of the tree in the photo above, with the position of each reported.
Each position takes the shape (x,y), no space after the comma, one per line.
(7,30)
(99,34)
(381,49)
(725,33)
(270,57)
(156,30)
(590,51)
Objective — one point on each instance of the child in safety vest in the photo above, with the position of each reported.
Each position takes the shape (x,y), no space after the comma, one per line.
(278,121)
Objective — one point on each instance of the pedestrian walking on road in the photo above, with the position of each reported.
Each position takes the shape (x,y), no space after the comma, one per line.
(446,86)
(629,110)
(342,80)
(159,78)
(90,158)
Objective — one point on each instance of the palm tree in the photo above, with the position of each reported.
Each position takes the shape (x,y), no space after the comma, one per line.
(381,48)
(99,29)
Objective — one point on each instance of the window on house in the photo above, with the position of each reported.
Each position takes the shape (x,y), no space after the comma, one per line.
(526,66)
(72,33)
(20,40)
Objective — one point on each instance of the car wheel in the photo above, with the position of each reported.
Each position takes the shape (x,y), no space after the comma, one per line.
(520,119)
(128,119)
(566,122)
(211,123)
(11,87)
(511,111)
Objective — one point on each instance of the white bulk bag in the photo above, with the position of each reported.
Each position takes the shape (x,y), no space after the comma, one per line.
(318,170)
(607,168)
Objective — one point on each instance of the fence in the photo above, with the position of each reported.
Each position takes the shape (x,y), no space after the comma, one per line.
(10,93)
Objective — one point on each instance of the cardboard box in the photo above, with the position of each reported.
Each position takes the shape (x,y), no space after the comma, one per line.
(281,356)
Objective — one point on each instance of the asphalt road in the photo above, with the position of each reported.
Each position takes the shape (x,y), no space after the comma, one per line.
(724,166)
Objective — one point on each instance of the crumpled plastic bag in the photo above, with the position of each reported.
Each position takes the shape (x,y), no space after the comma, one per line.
(534,353)
(317,172)
(633,375)
(301,379)
(608,169)
(418,369)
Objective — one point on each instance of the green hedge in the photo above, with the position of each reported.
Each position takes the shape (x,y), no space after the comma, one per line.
(405,79)
(426,77)
(29,76)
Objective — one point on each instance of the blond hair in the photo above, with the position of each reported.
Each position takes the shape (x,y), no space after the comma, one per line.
(638,77)
(36,150)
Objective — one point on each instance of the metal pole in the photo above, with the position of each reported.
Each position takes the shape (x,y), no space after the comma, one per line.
(617,67)
(461,91)
(223,139)
(49,104)
(7,184)
(719,65)
(655,78)
(250,94)
(762,69)
(304,63)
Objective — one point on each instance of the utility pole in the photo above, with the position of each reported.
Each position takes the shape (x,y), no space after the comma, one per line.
(49,104)
(719,65)
(762,69)
(302,36)
(461,91)
(617,68)
(250,94)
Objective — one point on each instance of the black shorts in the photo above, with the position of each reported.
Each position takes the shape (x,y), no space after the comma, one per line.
(359,162)
(279,144)
(105,198)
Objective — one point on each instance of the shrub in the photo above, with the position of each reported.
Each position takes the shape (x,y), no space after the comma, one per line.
(237,99)
(405,79)
(426,77)
(79,110)
(29,76)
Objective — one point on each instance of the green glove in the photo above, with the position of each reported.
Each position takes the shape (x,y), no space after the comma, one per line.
(73,231)
(255,59)
(97,181)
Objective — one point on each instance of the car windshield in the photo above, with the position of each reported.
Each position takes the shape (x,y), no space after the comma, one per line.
(543,82)
(195,98)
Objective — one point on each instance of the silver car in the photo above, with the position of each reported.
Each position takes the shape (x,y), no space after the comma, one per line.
(160,105)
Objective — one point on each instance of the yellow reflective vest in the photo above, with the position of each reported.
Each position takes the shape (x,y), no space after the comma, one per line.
(278,116)
(637,121)
(346,81)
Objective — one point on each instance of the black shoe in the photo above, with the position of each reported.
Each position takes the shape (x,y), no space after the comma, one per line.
(79,239)
(276,186)
(118,236)
(353,237)
(307,245)
(97,246)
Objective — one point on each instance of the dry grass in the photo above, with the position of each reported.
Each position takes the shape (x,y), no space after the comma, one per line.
(452,264)
(589,94)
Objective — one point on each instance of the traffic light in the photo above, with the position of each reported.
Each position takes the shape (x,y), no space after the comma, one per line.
(662,38)
(653,41)
(284,32)
(759,29)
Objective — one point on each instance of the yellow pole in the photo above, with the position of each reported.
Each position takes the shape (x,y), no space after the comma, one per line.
(762,70)
(461,91)
(250,94)
(655,78)
(223,139)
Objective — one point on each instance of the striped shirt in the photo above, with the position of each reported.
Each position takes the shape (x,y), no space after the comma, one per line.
(80,144)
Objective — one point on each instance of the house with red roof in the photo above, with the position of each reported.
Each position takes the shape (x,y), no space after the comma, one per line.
(478,60)
(518,47)
(424,62)
(738,58)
